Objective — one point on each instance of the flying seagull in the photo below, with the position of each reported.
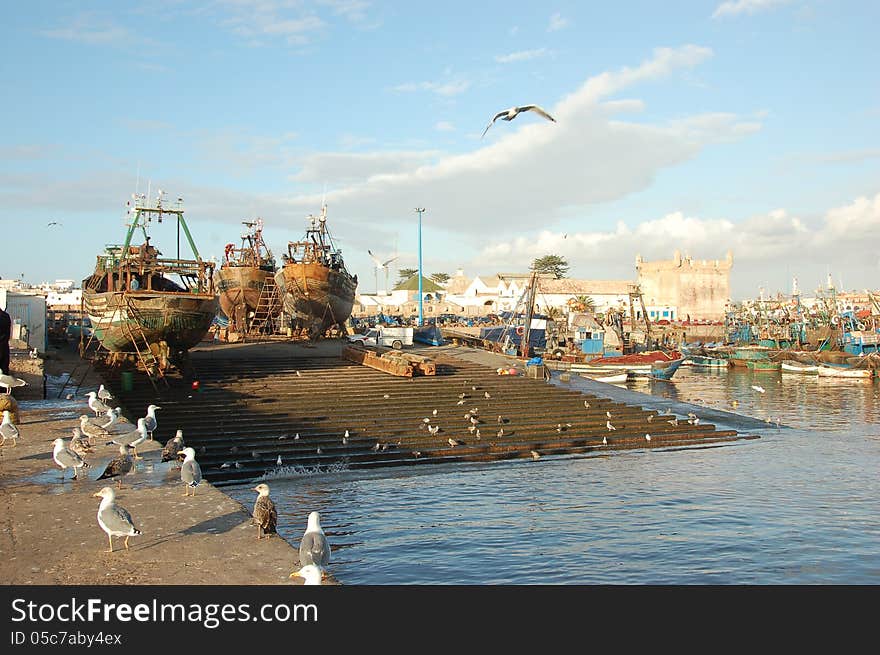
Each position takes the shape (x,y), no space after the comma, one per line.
(513,112)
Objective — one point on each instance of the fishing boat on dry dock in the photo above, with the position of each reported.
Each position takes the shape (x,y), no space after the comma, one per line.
(143,304)
(246,283)
(316,288)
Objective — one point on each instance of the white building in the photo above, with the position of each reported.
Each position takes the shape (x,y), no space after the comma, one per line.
(28,314)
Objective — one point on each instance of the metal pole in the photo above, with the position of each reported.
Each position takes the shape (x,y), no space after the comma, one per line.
(420,210)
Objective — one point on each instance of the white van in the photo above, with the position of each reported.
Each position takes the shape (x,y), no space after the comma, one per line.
(395,337)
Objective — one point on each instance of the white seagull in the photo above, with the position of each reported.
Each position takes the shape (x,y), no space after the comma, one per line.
(190,471)
(150,419)
(113,519)
(609,426)
(96,405)
(103,394)
(8,429)
(66,458)
(314,549)
(513,112)
(758,388)
(8,381)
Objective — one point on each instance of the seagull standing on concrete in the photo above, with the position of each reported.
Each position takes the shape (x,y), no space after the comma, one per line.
(8,429)
(314,549)
(172,447)
(103,394)
(265,514)
(79,443)
(133,438)
(66,458)
(609,426)
(96,405)
(191,472)
(122,465)
(513,112)
(113,519)
(150,419)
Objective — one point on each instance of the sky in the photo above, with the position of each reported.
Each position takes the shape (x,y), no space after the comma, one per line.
(699,126)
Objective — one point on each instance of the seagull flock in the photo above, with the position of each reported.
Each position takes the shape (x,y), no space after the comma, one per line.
(114,429)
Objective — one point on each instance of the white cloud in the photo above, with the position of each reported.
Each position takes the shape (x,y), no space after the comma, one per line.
(450,88)
(531,170)
(736,7)
(348,168)
(444,126)
(91,30)
(767,248)
(557,22)
(522,55)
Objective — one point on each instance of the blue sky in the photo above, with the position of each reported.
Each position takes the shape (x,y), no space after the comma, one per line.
(748,125)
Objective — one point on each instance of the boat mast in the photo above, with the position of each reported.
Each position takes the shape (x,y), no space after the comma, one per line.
(530,309)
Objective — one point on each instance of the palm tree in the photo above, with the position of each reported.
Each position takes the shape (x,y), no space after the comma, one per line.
(584,304)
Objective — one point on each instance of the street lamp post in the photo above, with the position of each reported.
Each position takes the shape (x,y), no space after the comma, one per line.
(420,210)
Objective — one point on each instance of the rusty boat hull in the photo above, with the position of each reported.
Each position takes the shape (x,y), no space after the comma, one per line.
(179,319)
(239,288)
(316,295)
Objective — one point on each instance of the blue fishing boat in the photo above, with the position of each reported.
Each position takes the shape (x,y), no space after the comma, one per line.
(704,361)
(665,370)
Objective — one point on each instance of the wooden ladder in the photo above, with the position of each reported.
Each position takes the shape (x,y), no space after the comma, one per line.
(135,333)
(266,307)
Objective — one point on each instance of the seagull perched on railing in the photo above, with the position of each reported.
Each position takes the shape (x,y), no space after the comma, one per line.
(513,112)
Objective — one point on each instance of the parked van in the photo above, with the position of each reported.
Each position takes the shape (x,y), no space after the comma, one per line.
(394,337)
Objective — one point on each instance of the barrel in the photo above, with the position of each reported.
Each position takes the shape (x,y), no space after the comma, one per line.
(127,380)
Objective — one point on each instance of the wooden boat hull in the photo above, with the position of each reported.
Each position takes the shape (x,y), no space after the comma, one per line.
(841,372)
(797,367)
(763,365)
(179,319)
(318,296)
(698,361)
(609,379)
(239,288)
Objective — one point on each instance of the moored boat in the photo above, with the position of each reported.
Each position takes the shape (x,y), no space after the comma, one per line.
(133,302)
(704,361)
(826,370)
(761,365)
(616,378)
(317,289)
(791,366)
(246,280)
(665,370)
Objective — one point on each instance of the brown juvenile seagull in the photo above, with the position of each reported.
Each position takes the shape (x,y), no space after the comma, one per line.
(265,514)
(513,112)
(119,466)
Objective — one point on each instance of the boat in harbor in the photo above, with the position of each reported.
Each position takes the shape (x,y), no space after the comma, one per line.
(792,366)
(665,370)
(705,361)
(316,288)
(142,303)
(827,370)
(615,378)
(245,282)
(763,365)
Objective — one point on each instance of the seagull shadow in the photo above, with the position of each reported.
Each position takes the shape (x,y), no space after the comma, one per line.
(218,524)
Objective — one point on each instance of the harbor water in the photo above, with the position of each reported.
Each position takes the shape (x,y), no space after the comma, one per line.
(797,506)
